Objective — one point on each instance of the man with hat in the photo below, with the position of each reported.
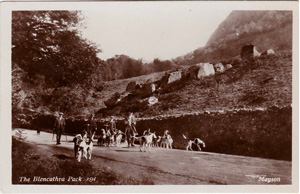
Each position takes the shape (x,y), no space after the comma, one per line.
(59,127)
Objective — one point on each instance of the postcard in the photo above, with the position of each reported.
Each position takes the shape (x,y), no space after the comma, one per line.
(150,96)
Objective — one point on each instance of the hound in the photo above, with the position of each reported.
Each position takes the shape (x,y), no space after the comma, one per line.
(167,141)
(85,147)
(146,141)
(156,141)
(119,136)
(196,141)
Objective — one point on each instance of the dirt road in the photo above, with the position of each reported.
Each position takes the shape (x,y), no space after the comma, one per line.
(165,166)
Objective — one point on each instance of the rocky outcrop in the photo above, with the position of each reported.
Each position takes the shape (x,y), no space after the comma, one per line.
(153,87)
(248,52)
(219,67)
(147,88)
(152,100)
(228,66)
(113,100)
(131,86)
(174,76)
(268,52)
(205,69)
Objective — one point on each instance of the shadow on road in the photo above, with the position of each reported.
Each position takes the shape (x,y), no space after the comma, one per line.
(62,156)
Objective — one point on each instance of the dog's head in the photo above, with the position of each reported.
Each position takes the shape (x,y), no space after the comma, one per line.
(82,144)
(77,139)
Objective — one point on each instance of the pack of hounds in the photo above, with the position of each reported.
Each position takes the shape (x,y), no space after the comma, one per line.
(83,145)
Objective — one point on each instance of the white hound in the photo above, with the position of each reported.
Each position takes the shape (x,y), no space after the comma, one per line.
(146,141)
(196,141)
(85,147)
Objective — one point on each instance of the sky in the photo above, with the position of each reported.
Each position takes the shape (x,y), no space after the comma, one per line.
(149,30)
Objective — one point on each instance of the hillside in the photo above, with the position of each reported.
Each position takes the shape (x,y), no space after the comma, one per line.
(268,83)
(264,84)
(264,29)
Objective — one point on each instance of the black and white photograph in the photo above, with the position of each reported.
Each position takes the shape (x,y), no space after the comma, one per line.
(152,93)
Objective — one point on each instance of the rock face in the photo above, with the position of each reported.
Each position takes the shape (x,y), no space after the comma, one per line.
(205,69)
(152,100)
(193,71)
(131,86)
(174,76)
(147,88)
(248,52)
(113,100)
(219,67)
(138,86)
(268,52)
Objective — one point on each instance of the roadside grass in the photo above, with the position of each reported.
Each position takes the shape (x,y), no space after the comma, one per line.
(28,161)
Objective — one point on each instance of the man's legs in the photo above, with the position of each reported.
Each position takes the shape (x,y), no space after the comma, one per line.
(129,140)
(58,135)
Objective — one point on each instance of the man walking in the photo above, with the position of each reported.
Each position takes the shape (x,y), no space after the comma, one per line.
(131,125)
(113,129)
(59,127)
(129,134)
(93,125)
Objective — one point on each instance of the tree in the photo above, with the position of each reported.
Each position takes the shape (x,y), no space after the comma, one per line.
(49,43)
(159,65)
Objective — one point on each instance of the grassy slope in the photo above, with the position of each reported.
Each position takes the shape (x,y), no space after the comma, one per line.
(30,160)
(112,87)
(265,85)
(245,90)
(230,95)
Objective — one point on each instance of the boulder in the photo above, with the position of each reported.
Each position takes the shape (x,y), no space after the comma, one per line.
(153,87)
(205,69)
(228,66)
(248,52)
(193,71)
(174,76)
(268,52)
(147,88)
(152,100)
(164,80)
(113,100)
(255,52)
(219,67)
(131,86)
(138,86)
